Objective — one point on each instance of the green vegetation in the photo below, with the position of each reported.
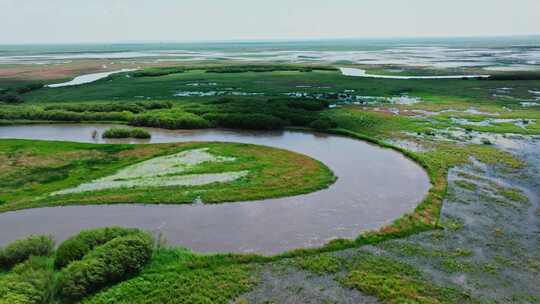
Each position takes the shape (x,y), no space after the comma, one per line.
(170,120)
(33,279)
(181,276)
(21,250)
(32,170)
(28,282)
(126,133)
(115,261)
(76,247)
(396,282)
(266,68)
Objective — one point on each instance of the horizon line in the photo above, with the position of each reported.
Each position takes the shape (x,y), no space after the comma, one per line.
(270,40)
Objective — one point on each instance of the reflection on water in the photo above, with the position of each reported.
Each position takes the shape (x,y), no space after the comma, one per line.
(375,186)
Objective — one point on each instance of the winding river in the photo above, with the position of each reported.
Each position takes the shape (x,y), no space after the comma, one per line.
(375,186)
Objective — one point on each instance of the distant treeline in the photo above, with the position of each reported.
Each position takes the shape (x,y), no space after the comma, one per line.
(163,71)
(267,68)
(156,72)
(516,76)
(238,113)
(137,107)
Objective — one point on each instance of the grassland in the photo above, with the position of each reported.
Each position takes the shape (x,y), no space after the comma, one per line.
(420,258)
(32,170)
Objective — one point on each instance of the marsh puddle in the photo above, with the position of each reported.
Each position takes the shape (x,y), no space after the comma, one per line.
(363,73)
(88,78)
(375,186)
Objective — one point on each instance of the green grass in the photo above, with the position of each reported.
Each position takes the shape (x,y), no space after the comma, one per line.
(396,282)
(177,276)
(33,169)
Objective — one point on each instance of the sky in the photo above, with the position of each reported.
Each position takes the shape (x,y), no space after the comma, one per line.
(86,21)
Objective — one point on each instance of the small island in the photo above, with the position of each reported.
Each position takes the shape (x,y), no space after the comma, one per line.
(126,133)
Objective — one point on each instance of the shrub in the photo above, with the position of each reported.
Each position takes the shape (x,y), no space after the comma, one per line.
(29,88)
(246,121)
(516,76)
(77,247)
(10,98)
(156,72)
(21,250)
(303,104)
(155,105)
(170,120)
(322,124)
(99,107)
(110,263)
(27,283)
(126,133)
(266,68)
(33,113)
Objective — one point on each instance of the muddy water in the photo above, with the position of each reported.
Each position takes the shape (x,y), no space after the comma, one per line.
(375,187)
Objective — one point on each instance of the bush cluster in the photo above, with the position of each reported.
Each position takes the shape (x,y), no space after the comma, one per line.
(21,250)
(265,68)
(156,72)
(27,283)
(323,124)
(60,115)
(246,121)
(107,264)
(135,108)
(170,120)
(516,76)
(126,133)
(76,247)
(10,98)
(243,113)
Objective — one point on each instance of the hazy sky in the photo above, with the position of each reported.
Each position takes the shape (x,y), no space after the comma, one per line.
(51,21)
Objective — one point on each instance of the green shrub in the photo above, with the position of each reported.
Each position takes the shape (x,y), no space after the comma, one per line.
(29,88)
(246,121)
(266,68)
(10,98)
(33,113)
(156,72)
(303,103)
(155,105)
(28,283)
(516,76)
(110,263)
(99,107)
(322,124)
(75,248)
(170,120)
(126,133)
(21,250)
